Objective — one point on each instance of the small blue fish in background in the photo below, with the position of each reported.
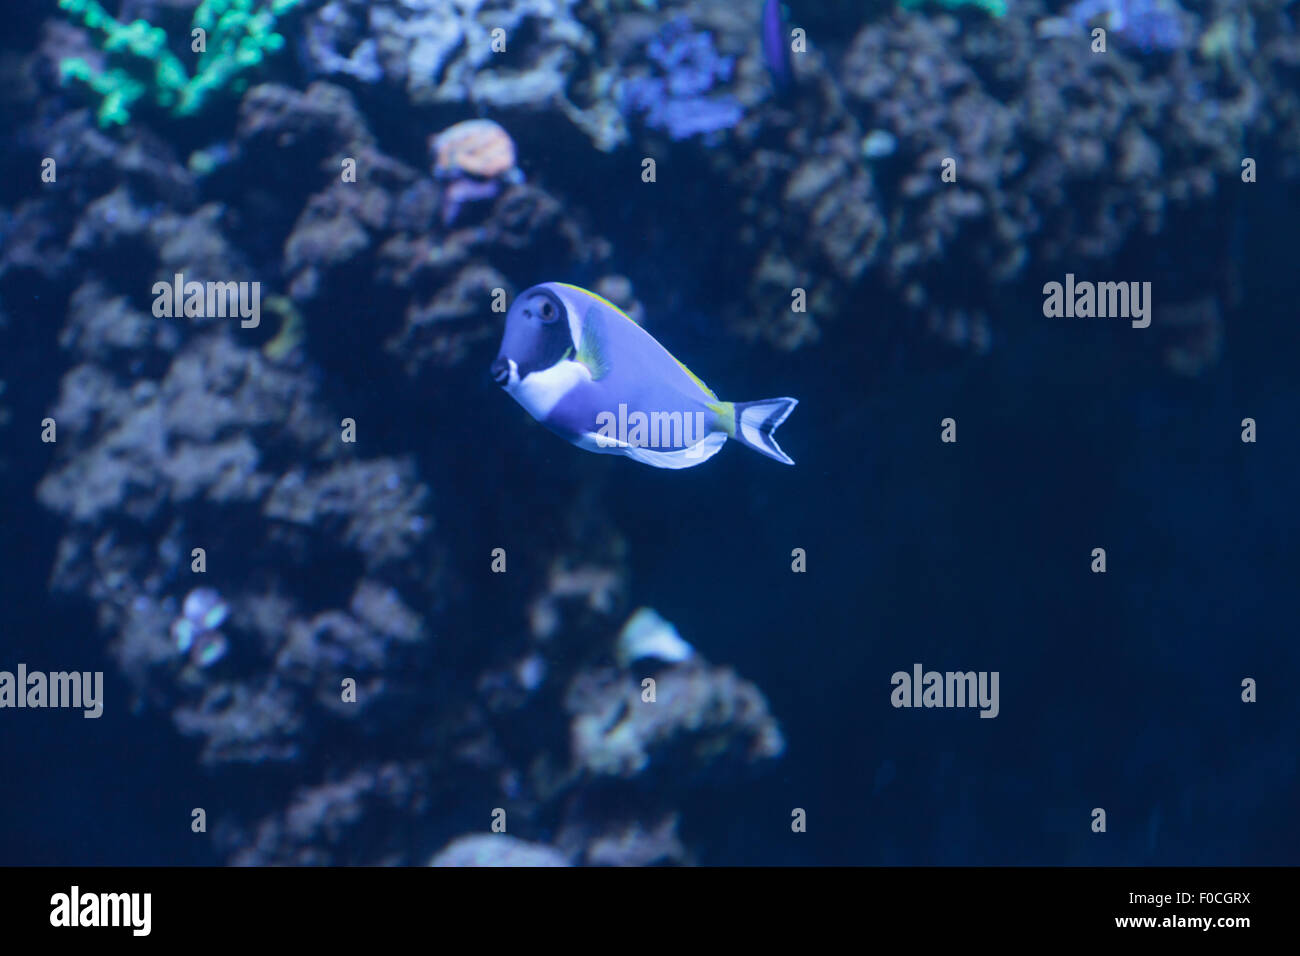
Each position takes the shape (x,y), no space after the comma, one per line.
(776,45)
(590,374)
(195,631)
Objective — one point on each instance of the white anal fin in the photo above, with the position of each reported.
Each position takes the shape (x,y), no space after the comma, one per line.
(696,454)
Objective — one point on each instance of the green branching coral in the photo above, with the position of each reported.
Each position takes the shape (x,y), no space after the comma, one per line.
(995,8)
(229,36)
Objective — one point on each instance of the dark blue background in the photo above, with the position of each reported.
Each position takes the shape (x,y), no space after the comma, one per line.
(1120,690)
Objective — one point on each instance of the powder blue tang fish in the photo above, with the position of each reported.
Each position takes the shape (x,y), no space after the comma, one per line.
(589,373)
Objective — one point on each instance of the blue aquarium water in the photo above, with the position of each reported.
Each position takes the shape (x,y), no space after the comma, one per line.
(649,432)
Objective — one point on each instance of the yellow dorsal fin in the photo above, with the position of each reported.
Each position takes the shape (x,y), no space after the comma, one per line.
(599,298)
(695,378)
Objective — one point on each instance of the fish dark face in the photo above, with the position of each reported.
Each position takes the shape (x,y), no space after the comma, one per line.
(537,336)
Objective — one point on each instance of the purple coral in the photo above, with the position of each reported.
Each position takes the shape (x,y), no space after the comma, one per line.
(1146,24)
(680,95)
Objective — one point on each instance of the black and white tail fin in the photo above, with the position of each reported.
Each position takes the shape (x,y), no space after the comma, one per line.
(756,421)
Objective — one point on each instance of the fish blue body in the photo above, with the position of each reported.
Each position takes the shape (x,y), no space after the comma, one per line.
(586,371)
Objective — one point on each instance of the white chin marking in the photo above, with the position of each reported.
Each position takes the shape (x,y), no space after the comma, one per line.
(539,392)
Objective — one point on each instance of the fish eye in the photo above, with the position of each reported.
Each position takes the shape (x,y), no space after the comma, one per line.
(547,311)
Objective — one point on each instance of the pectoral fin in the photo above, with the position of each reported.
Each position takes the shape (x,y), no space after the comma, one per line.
(591,350)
